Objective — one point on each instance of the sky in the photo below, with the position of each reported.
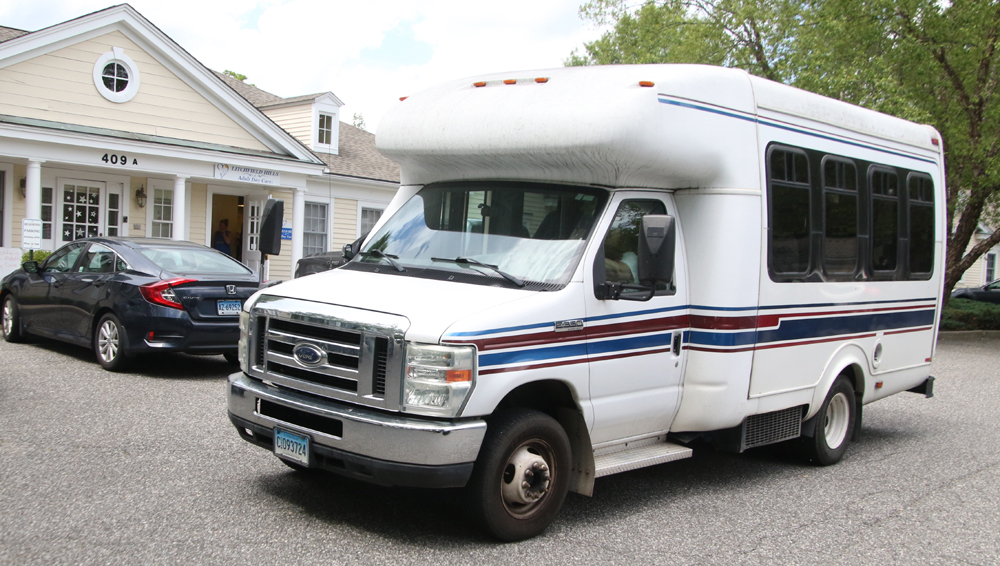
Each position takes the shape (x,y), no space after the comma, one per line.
(368,53)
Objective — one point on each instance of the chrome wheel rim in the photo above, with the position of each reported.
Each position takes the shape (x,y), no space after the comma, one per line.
(838,415)
(527,478)
(108,341)
(8,317)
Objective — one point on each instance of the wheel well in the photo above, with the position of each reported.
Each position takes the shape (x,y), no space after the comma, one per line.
(555,399)
(856,376)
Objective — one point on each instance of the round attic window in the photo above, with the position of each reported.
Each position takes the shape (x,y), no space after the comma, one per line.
(116,76)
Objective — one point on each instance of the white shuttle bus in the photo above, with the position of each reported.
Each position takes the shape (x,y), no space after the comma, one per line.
(587,269)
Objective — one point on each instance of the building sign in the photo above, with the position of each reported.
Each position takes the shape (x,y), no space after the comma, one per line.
(31,234)
(286,230)
(247,174)
(10,260)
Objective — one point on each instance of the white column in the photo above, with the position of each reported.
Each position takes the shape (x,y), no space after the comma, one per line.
(298,224)
(180,209)
(33,190)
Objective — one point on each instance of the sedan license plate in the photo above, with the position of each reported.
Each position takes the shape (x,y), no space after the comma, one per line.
(291,446)
(230,308)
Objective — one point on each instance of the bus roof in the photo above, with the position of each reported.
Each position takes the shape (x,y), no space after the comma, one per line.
(617,126)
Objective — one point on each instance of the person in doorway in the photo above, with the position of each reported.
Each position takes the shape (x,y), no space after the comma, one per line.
(223,238)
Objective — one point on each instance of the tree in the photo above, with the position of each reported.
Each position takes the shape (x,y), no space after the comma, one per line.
(359,121)
(922,60)
(235,75)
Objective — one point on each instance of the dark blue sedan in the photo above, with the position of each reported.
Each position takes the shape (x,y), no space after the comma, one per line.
(123,297)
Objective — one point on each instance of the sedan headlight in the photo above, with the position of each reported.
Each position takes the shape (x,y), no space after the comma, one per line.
(437,379)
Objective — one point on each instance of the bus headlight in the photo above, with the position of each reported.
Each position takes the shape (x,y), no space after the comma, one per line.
(437,379)
(243,346)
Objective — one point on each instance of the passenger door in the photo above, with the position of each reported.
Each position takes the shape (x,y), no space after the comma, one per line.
(633,346)
(39,298)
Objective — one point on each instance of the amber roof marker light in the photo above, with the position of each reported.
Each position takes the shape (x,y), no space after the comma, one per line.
(479,84)
(542,80)
(647,83)
(510,81)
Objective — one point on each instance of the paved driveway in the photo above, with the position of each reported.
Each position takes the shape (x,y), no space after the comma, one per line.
(144,468)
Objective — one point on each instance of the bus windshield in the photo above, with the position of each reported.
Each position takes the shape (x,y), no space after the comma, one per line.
(535,233)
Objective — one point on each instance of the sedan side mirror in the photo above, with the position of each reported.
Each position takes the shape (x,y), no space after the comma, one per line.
(30,266)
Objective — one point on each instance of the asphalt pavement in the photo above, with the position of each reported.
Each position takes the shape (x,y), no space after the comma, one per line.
(145,468)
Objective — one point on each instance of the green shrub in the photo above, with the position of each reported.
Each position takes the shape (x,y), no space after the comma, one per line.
(964,314)
(40,256)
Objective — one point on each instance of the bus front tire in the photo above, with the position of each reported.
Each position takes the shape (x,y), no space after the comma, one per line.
(521,477)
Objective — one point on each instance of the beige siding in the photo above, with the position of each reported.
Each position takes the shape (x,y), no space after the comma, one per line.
(59,86)
(296,120)
(199,207)
(345,222)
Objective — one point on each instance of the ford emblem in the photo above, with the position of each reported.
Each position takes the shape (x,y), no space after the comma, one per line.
(308,355)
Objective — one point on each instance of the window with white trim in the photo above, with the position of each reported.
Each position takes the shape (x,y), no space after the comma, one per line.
(369,216)
(163,213)
(991,267)
(314,229)
(325,133)
(116,76)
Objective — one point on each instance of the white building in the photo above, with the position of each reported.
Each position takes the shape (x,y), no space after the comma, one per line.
(108,127)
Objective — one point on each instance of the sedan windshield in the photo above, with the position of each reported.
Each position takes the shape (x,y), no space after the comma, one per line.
(523,232)
(183,261)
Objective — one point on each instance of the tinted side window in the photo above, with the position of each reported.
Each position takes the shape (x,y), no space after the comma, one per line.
(921,205)
(884,185)
(788,175)
(99,259)
(840,217)
(64,259)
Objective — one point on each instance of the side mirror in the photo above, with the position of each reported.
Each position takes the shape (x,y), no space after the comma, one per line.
(270,227)
(348,251)
(30,266)
(657,246)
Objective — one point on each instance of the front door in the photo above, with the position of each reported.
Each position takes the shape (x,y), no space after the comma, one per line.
(88,209)
(633,346)
(252,211)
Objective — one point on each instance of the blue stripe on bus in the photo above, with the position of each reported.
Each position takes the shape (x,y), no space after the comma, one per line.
(764,122)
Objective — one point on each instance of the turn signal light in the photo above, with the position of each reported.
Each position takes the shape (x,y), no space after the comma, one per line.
(162,292)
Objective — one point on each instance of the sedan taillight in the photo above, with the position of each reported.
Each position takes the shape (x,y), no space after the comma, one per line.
(162,292)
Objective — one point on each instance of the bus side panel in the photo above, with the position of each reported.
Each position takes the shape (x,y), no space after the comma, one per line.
(721,228)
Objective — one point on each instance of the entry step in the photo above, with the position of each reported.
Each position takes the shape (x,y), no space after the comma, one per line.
(638,454)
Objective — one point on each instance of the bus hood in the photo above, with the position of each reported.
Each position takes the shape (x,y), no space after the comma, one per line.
(431,307)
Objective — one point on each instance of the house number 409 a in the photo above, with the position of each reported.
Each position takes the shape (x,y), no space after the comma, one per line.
(120,159)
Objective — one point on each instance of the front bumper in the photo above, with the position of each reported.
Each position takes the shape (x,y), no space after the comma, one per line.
(366,444)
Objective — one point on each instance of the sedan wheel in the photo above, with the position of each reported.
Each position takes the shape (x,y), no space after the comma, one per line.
(109,343)
(11,321)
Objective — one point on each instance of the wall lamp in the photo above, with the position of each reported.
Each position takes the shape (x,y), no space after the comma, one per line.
(140,197)
(23,184)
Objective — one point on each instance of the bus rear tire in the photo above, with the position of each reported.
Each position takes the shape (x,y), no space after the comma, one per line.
(521,477)
(834,425)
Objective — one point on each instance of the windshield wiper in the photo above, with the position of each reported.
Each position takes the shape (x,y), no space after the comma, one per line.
(375,252)
(477,263)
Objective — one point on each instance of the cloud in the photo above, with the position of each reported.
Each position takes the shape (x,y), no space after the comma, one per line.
(367,53)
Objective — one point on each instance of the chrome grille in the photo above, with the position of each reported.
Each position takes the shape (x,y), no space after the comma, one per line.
(357,353)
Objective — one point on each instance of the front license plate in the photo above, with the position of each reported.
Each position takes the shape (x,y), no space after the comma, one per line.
(291,446)
(229,308)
